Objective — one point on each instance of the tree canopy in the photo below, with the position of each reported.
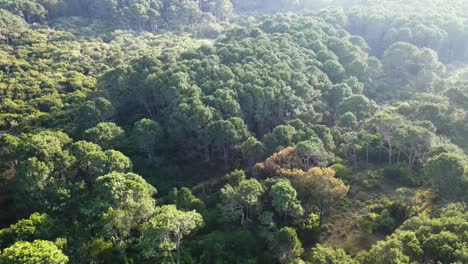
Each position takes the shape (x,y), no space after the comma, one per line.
(233,131)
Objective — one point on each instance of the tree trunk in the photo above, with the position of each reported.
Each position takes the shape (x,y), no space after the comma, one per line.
(367,155)
(321,214)
(389,153)
(226,156)
(410,160)
(178,249)
(170,256)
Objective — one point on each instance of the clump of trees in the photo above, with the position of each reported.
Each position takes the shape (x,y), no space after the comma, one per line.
(141,15)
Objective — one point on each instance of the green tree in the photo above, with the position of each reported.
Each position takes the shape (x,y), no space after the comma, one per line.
(241,201)
(448,174)
(147,135)
(312,153)
(98,163)
(166,229)
(106,134)
(186,201)
(334,70)
(228,133)
(228,247)
(31,11)
(348,120)
(399,248)
(338,93)
(326,255)
(235,177)
(442,246)
(386,123)
(359,105)
(288,247)
(39,251)
(284,199)
(309,229)
(281,137)
(90,113)
(121,203)
(252,150)
(37,226)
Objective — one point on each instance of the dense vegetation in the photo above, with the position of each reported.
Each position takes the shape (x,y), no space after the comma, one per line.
(216,131)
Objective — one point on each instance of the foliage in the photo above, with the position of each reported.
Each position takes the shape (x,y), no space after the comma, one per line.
(39,251)
(283,127)
(322,254)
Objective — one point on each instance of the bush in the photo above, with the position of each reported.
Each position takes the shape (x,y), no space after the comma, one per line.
(401,173)
(342,171)
(386,215)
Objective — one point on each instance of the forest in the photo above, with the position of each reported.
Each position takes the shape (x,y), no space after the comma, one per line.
(233,131)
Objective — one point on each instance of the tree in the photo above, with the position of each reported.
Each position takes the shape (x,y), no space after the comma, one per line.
(414,141)
(448,174)
(334,70)
(386,123)
(122,202)
(442,246)
(235,177)
(281,137)
(288,247)
(154,18)
(252,150)
(338,93)
(81,149)
(312,153)
(47,146)
(326,255)
(90,113)
(227,133)
(37,226)
(188,125)
(348,120)
(359,105)
(106,134)
(408,67)
(351,146)
(221,9)
(42,169)
(33,177)
(31,11)
(186,201)
(321,186)
(282,163)
(420,239)
(98,163)
(129,192)
(38,187)
(9,148)
(39,251)
(166,229)
(147,134)
(105,8)
(241,201)
(284,199)
(228,247)
(396,249)
(11,26)
(182,13)
(309,229)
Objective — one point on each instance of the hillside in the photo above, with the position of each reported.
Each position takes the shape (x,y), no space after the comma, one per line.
(217,131)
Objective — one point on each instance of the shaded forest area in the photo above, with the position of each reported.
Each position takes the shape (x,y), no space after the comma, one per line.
(216,131)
